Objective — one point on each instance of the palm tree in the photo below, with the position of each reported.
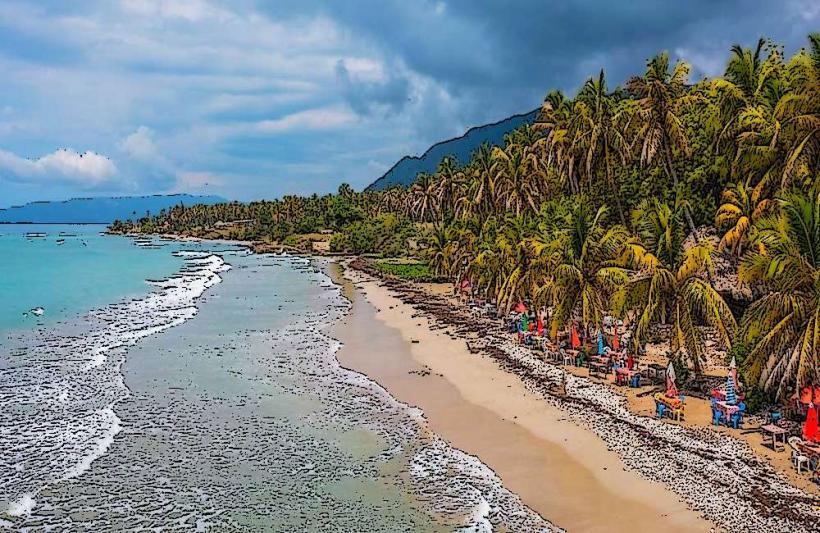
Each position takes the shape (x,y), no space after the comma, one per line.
(784,325)
(480,194)
(425,198)
(555,118)
(439,252)
(513,181)
(741,206)
(587,270)
(668,284)
(449,179)
(779,134)
(661,94)
(599,138)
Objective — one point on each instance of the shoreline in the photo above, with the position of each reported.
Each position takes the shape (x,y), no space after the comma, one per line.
(719,476)
(730,479)
(557,468)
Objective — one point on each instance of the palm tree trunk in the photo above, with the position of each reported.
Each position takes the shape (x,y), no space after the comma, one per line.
(615,191)
(674,175)
(686,213)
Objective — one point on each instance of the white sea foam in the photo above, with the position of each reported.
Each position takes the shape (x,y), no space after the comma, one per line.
(21,507)
(103,442)
(60,417)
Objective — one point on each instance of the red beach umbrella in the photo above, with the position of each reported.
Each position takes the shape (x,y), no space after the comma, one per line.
(466,286)
(539,328)
(810,429)
(574,340)
(520,307)
(616,342)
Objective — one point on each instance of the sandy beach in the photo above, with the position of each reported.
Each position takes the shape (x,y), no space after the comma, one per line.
(593,459)
(559,469)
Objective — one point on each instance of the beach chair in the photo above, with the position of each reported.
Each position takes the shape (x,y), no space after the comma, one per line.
(677,413)
(659,409)
(737,418)
(717,417)
(798,459)
(567,358)
(636,381)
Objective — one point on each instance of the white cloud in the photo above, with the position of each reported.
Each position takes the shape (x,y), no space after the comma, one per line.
(704,62)
(309,119)
(189,10)
(140,145)
(89,168)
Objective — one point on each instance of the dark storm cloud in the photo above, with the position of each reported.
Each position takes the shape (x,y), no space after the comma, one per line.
(515,51)
(367,97)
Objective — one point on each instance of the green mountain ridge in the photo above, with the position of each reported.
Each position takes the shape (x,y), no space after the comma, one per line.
(404,172)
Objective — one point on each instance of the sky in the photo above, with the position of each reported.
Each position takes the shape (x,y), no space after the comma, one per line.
(257,99)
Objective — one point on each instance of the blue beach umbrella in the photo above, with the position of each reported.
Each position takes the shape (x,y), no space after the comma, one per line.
(731,398)
(600,343)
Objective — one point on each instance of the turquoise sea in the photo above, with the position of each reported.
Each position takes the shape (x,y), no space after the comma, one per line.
(194,386)
(72,269)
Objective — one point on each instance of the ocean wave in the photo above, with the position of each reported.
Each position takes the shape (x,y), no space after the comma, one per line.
(60,390)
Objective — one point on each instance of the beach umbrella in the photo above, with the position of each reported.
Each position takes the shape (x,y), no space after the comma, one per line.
(600,343)
(524,321)
(810,429)
(466,286)
(575,342)
(520,307)
(539,326)
(616,342)
(630,361)
(671,388)
(731,398)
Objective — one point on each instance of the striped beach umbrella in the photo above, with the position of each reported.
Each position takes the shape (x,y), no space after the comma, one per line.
(731,397)
(671,387)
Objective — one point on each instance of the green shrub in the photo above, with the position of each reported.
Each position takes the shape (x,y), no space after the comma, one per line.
(407,271)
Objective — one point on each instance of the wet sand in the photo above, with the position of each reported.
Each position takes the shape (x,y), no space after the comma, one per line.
(561,470)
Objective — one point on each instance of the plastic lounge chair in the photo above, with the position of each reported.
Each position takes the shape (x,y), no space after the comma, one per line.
(736,420)
(677,414)
(636,381)
(717,417)
(659,409)
(798,459)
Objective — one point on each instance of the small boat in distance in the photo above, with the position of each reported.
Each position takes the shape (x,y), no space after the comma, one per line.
(36,235)
(64,234)
(60,242)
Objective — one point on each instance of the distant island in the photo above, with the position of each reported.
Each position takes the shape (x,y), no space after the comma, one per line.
(101,210)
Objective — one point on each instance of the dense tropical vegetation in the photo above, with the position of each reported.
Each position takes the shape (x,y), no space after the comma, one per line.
(649,201)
